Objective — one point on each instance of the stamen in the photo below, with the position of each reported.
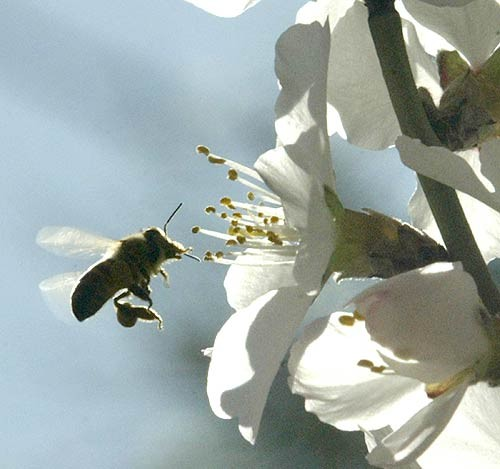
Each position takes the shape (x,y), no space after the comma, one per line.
(210,209)
(346,320)
(216,160)
(202,149)
(214,234)
(232,174)
(250,196)
(358,316)
(365,363)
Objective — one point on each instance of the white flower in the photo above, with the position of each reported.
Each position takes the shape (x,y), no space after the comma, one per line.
(476,175)
(226,8)
(285,242)
(416,336)
(360,108)
(231,8)
(359,105)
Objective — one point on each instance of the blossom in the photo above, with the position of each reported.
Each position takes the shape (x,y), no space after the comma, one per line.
(360,109)
(359,105)
(285,241)
(231,8)
(413,357)
(225,8)
(476,175)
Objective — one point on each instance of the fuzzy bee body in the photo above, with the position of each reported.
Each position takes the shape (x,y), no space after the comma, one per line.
(125,269)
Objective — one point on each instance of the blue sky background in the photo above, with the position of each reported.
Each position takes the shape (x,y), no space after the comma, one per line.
(102,105)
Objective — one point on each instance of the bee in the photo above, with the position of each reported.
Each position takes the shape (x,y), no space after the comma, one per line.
(124,269)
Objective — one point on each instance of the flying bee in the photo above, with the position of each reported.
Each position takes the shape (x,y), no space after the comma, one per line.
(125,269)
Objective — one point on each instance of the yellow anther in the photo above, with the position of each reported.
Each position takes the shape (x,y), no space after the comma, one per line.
(234,222)
(223,215)
(260,215)
(346,320)
(219,254)
(225,201)
(241,239)
(202,149)
(195,229)
(250,196)
(237,215)
(365,363)
(232,174)
(274,238)
(208,256)
(215,159)
(275,219)
(210,209)
(358,316)
(231,242)
(234,230)
(266,221)
(378,369)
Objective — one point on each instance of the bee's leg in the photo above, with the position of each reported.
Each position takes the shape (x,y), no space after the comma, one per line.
(117,298)
(142,292)
(164,274)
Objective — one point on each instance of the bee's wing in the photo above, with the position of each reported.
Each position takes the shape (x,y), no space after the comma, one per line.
(72,242)
(56,291)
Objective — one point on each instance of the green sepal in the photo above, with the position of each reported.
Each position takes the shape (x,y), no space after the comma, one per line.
(450,66)
(370,244)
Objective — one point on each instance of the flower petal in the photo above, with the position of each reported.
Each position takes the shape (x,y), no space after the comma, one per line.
(476,174)
(472,28)
(424,317)
(245,283)
(324,369)
(247,353)
(471,437)
(301,105)
(417,434)
(225,8)
(356,87)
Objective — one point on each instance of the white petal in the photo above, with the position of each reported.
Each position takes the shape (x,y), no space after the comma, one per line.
(247,353)
(472,29)
(471,437)
(356,87)
(225,8)
(244,283)
(324,369)
(301,105)
(414,437)
(305,208)
(429,318)
(476,174)
(466,172)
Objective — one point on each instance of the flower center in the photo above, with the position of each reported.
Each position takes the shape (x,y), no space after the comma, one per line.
(256,229)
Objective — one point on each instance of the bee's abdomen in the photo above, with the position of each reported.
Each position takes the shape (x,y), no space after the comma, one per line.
(98,285)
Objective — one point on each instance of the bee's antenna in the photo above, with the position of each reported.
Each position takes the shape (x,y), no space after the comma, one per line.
(196,258)
(171,216)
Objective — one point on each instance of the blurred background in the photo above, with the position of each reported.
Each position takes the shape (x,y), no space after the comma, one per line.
(102,106)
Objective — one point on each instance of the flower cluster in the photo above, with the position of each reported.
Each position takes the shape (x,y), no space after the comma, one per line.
(415,366)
